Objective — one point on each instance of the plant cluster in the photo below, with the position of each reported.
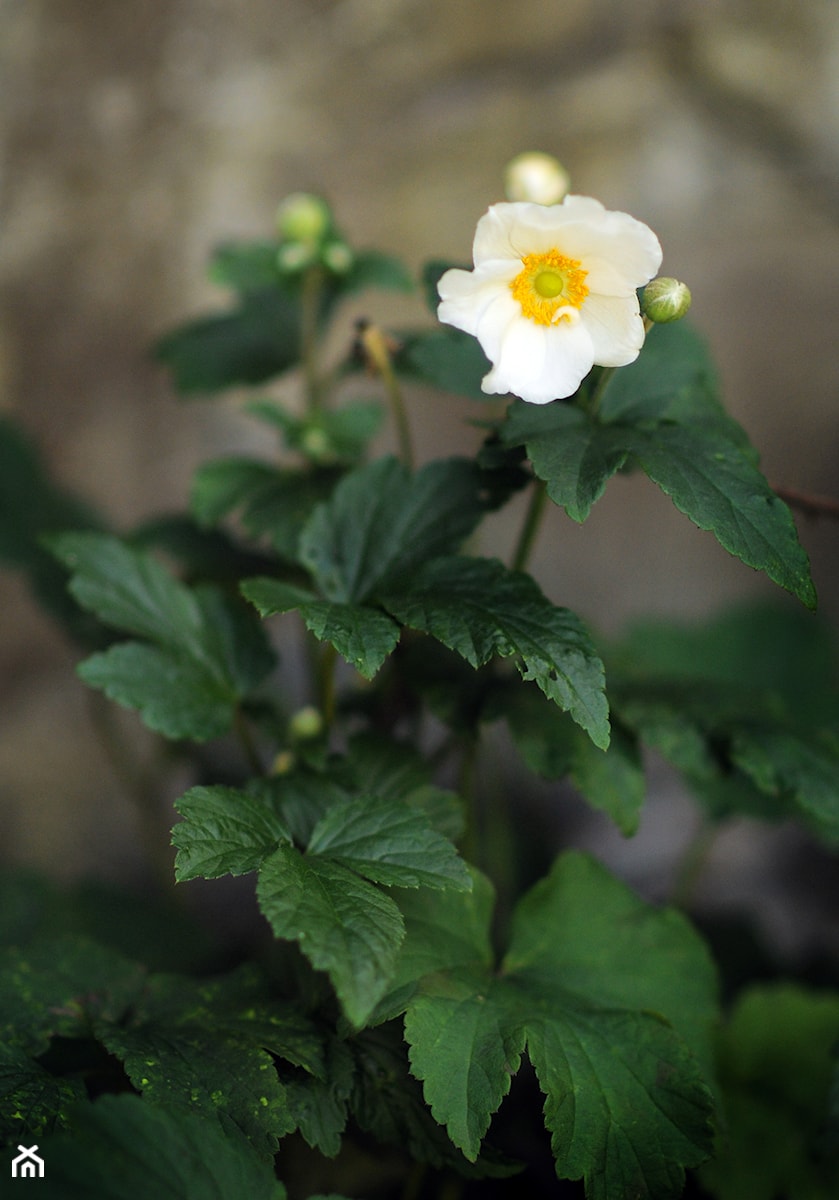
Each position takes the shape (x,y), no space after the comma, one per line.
(428,1007)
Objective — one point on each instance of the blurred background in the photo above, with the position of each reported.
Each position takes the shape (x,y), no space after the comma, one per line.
(135,137)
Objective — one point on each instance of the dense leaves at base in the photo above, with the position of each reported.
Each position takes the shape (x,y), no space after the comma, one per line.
(619,1049)
(328,896)
(662,414)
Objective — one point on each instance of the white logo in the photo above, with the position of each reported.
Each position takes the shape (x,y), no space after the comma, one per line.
(28,1164)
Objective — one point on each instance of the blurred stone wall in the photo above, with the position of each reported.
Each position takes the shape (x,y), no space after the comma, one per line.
(136,136)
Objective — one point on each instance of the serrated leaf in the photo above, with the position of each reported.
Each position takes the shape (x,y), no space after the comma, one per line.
(594,980)
(776,1067)
(275,503)
(663,413)
(361,634)
(381,522)
(625,1105)
(320,1106)
(121,1148)
(58,986)
(256,341)
(794,769)
(224,831)
(32,1100)
(389,842)
(717,485)
(480,609)
(343,924)
(174,695)
(192,1069)
(465,1044)
(207,653)
(129,589)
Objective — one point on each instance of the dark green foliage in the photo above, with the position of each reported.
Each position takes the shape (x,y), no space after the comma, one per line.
(418,946)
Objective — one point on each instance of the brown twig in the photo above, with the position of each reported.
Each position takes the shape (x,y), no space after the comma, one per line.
(807,503)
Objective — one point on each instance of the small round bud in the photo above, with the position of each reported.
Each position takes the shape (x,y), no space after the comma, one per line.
(296,256)
(315,443)
(337,257)
(307,723)
(536,177)
(304,217)
(283,763)
(665,300)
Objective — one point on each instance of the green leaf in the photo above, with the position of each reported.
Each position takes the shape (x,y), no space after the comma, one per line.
(245,266)
(193,1069)
(32,1100)
(343,924)
(466,1043)
(58,987)
(373,269)
(275,503)
(224,831)
(256,341)
(122,1148)
(795,770)
(389,842)
(445,359)
(716,484)
(173,694)
(617,1048)
(381,522)
(663,414)
(776,1067)
(625,1105)
(208,650)
(362,635)
(328,435)
(480,609)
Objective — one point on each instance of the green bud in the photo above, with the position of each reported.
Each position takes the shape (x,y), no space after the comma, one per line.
(307,723)
(537,178)
(315,443)
(337,257)
(296,256)
(304,217)
(665,300)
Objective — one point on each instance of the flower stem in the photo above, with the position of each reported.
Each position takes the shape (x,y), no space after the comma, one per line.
(243,732)
(690,868)
(530,528)
(310,305)
(326,682)
(375,346)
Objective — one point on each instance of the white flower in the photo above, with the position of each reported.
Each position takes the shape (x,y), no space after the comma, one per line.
(552,294)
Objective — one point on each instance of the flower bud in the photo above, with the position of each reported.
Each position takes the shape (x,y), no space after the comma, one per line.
(307,723)
(337,257)
(665,300)
(296,256)
(304,217)
(536,177)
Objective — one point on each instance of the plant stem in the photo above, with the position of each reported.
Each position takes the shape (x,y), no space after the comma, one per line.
(375,345)
(693,862)
(310,304)
(326,682)
(532,521)
(243,732)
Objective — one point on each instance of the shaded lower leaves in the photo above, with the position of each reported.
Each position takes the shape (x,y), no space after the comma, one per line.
(614,1003)
(122,1147)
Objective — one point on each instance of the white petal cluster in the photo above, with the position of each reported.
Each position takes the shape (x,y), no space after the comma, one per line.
(552,293)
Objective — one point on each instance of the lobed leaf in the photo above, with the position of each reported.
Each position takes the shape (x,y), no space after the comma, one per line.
(480,609)
(225,831)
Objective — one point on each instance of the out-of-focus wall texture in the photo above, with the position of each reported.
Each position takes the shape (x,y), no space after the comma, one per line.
(136,136)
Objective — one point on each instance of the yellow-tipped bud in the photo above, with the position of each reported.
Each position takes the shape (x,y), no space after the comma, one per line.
(665,300)
(536,177)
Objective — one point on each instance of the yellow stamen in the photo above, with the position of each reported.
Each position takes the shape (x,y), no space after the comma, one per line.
(549,285)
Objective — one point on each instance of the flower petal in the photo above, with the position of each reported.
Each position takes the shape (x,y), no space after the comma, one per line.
(465,295)
(541,363)
(616,329)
